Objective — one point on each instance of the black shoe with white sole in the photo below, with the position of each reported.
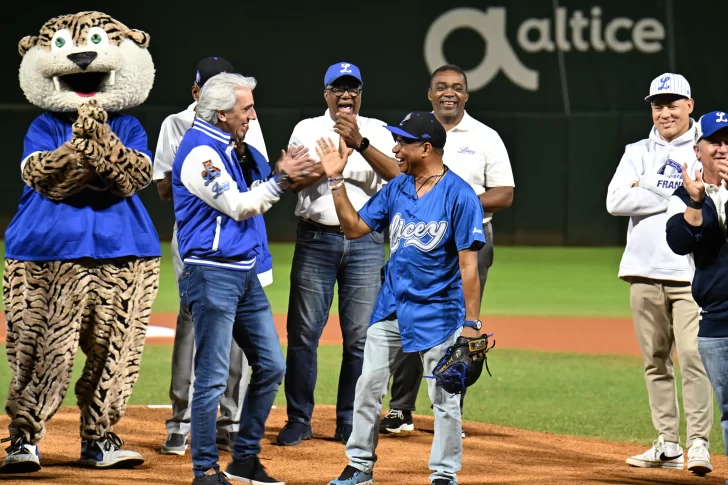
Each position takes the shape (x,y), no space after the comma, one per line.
(250,471)
(175,444)
(396,421)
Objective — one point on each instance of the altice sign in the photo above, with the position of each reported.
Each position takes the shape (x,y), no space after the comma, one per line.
(565,33)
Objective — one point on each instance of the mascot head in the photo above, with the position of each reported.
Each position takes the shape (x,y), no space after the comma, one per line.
(84,56)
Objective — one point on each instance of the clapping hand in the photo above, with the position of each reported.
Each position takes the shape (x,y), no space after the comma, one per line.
(695,188)
(333,160)
(295,163)
(348,130)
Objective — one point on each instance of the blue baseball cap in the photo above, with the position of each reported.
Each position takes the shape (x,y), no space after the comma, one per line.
(422,126)
(341,69)
(710,123)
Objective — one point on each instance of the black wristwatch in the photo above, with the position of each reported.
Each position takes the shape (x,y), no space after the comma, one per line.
(364,145)
(695,205)
(476,324)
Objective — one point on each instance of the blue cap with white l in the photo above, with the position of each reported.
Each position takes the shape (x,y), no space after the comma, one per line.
(710,123)
(341,69)
(669,83)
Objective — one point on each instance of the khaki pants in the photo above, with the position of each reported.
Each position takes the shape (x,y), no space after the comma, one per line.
(665,315)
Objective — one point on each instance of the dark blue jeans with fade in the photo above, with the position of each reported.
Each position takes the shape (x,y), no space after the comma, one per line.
(321,260)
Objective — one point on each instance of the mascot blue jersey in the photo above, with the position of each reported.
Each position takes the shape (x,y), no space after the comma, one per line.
(91,224)
(422,284)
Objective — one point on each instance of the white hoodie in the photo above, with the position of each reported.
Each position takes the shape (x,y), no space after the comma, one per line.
(657,165)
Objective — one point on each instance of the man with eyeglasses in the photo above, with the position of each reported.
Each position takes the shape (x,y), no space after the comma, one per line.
(324,257)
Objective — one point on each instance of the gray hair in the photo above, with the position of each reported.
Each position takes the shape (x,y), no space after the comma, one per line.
(218,94)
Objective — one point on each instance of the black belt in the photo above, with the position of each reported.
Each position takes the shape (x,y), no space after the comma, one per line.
(322,227)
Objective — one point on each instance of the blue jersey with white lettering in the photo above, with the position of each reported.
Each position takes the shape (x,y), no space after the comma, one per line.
(93,223)
(422,277)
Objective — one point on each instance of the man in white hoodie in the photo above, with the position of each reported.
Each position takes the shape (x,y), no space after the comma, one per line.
(664,312)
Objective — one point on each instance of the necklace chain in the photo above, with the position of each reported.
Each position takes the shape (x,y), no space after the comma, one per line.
(439,175)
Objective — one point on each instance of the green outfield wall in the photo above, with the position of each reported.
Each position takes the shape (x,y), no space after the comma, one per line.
(562,82)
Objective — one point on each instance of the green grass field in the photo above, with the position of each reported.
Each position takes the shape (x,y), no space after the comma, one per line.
(522,281)
(575,394)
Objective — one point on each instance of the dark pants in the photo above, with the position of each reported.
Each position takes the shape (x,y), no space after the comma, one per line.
(321,260)
(406,378)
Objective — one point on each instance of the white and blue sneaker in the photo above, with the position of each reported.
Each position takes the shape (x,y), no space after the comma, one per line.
(353,476)
(23,457)
(107,453)
(444,481)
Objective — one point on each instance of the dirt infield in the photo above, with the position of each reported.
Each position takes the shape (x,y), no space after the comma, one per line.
(492,455)
(564,334)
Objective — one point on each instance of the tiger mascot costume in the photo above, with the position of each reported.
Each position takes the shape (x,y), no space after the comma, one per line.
(81,254)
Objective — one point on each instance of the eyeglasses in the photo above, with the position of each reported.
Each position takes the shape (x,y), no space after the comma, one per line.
(339,92)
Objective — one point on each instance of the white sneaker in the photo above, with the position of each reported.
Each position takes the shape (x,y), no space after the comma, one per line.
(107,453)
(22,456)
(699,458)
(663,454)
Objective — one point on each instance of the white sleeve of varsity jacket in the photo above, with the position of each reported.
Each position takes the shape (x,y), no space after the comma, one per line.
(204,175)
(625,200)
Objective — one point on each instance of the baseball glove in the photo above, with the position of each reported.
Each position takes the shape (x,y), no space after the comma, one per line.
(462,363)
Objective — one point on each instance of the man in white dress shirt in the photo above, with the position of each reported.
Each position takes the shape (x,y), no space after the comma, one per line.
(476,153)
(180,392)
(323,256)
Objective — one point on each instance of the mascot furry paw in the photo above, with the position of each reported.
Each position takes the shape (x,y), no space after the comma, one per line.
(82,255)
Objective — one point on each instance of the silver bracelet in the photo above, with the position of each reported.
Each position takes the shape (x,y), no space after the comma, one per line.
(337,186)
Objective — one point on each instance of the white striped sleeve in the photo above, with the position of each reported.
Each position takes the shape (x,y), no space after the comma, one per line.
(204,175)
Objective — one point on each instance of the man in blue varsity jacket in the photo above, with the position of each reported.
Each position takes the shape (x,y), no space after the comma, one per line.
(219,243)
(697,226)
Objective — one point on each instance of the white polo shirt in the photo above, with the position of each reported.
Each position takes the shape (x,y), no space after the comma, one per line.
(477,154)
(174,128)
(362,182)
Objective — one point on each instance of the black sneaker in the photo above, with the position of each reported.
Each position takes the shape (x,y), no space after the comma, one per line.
(226,440)
(250,471)
(397,421)
(175,444)
(444,481)
(212,477)
(343,432)
(293,433)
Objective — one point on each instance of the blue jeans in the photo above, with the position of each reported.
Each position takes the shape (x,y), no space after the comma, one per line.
(714,354)
(322,259)
(225,305)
